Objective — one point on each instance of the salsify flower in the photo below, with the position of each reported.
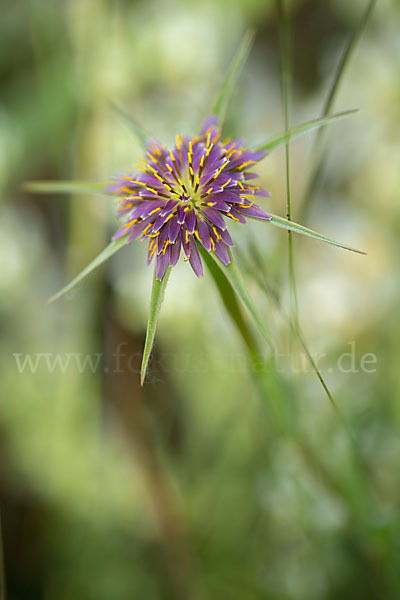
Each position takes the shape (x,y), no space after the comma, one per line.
(186,195)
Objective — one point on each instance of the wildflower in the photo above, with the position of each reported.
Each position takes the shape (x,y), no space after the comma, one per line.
(186,195)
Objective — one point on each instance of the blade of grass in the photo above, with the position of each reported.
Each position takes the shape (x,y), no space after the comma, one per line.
(317,151)
(66,187)
(111,249)
(221,103)
(138,131)
(294,327)
(157,296)
(292,226)
(285,75)
(300,129)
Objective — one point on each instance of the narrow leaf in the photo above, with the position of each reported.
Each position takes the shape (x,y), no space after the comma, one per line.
(65,187)
(292,226)
(300,129)
(221,103)
(111,249)
(138,131)
(233,275)
(157,296)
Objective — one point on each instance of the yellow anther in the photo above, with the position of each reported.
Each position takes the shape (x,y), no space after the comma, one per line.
(152,157)
(245,164)
(155,210)
(130,223)
(150,189)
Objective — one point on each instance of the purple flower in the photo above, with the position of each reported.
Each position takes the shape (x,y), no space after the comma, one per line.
(186,196)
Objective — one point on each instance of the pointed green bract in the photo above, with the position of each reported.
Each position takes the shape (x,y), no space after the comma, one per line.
(221,104)
(157,296)
(111,249)
(138,131)
(66,187)
(300,129)
(292,226)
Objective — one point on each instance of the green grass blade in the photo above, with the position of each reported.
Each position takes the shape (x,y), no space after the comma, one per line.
(286,79)
(111,249)
(138,131)
(256,266)
(234,277)
(300,129)
(221,103)
(292,226)
(157,296)
(66,187)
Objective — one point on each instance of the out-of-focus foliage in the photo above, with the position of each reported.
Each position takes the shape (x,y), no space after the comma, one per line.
(208,482)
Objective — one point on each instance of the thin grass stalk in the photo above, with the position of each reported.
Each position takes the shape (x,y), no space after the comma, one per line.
(285,80)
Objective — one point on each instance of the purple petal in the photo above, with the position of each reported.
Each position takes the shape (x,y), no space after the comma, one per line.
(214,216)
(174,252)
(212,121)
(195,260)
(203,232)
(237,216)
(180,213)
(218,204)
(262,192)
(222,252)
(136,230)
(254,211)
(169,207)
(173,229)
(231,197)
(190,220)
(226,237)
(162,264)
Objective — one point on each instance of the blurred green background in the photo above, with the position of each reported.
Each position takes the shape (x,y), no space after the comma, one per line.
(202,484)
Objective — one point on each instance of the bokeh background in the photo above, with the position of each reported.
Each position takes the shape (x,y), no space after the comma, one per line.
(202,484)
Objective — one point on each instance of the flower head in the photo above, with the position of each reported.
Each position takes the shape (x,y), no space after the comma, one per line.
(185,196)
